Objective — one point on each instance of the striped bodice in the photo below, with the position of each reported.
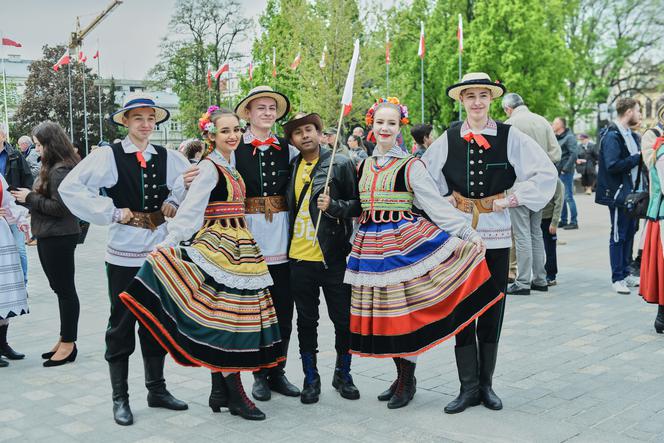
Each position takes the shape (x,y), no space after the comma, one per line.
(384,191)
(233,206)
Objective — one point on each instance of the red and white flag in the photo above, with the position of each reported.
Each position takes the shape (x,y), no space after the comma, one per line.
(321,63)
(64,60)
(387,48)
(347,98)
(296,61)
(10,42)
(460,34)
(223,68)
(81,57)
(208,77)
(420,50)
(251,70)
(96,56)
(274,62)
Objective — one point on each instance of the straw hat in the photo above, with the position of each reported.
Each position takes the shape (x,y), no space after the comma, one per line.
(283,104)
(302,119)
(140,100)
(476,80)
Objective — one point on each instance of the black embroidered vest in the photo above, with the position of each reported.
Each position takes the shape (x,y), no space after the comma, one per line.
(265,173)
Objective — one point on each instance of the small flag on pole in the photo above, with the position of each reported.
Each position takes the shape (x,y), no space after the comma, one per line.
(460,34)
(347,98)
(296,61)
(96,56)
(81,57)
(223,68)
(420,50)
(10,42)
(387,48)
(322,58)
(251,70)
(64,60)
(274,62)
(209,78)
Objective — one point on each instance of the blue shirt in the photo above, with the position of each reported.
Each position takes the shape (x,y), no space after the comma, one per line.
(4,158)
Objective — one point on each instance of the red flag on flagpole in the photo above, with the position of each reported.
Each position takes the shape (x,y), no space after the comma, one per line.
(251,70)
(420,50)
(274,62)
(209,78)
(221,70)
(347,98)
(387,49)
(10,42)
(96,56)
(82,58)
(64,60)
(460,34)
(296,62)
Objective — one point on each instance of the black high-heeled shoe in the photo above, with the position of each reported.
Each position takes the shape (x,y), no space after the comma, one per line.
(68,359)
(48,355)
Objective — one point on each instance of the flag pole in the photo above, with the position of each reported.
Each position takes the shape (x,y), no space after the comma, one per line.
(387,64)
(71,115)
(85,109)
(228,88)
(4,89)
(460,37)
(101,116)
(422,68)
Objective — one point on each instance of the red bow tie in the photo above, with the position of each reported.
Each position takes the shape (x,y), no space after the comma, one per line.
(479,138)
(141,159)
(270,141)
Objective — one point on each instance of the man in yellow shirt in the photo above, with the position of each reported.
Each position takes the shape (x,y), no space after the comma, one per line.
(320,264)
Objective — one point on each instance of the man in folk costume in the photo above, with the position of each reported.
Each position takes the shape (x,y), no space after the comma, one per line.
(263,160)
(475,163)
(321,264)
(137,177)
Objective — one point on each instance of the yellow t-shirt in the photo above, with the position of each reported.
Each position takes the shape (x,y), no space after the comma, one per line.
(301,247)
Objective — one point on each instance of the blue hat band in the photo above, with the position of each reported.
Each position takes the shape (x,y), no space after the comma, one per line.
(140,101)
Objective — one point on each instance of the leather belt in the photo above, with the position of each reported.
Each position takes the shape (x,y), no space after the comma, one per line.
(476,206)
(146,220)
(266,205)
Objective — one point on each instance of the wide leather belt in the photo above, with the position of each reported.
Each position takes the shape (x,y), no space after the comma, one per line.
(146,220)
(476,206)
(266,205)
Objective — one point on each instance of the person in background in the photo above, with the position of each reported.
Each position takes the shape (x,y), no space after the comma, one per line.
(331,136)
(422,136)
(586,164)
(357,150)
(550,220)
(367,144)
(192,149)
(57,230)
(566,168)
(30,154)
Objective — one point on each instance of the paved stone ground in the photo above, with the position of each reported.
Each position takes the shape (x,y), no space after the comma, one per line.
(579,363)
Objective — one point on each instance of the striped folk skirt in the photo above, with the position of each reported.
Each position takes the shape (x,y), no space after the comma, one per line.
(13,295)
(208,304)
(413,287)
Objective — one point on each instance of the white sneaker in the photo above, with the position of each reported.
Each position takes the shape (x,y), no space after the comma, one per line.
(632,281)
(621,288)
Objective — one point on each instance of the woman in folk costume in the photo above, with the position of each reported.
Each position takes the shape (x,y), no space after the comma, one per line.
(13,295)
(208,303)
(414,283)
(652,262)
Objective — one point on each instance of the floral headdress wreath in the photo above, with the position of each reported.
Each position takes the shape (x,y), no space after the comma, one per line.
(369,118)
(207,127)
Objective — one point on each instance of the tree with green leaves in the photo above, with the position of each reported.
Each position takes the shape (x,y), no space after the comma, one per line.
(46,97)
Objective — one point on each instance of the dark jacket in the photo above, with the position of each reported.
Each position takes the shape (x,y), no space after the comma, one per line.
(49,215)
(336,226)
(569,153)
(18,171)
(614,178)
(590,154)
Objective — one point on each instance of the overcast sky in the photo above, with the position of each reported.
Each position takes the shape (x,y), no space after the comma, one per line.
(128,38)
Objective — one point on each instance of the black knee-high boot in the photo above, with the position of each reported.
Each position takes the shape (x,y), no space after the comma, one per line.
(219,393)
(659,320)
(488,355)
(158,395)
(119,371)
(467,367)
(5,349)
(389,392)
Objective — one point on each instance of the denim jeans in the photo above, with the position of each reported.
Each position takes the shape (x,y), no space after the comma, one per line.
(568,181)
(621,243)
(19,239)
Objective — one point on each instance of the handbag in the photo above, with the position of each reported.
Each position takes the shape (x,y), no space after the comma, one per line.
(636,202)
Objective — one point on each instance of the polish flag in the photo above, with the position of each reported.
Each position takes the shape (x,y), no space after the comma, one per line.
(321,63)
(251,70)
(208,77)
(64,60)
(420,50)
(347,98)
(296,61)
(10,42)
(96,56)
(387,48)
(460,34)
(223,68)
(274,62)
(82,58)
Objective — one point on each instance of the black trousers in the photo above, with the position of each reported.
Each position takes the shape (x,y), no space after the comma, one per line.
(307,278)
(282,299)
(487,327)
(120,333)
(551,264)
(56,255)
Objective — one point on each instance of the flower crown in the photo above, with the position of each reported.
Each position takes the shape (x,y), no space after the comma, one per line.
(369,118)
(204,123)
